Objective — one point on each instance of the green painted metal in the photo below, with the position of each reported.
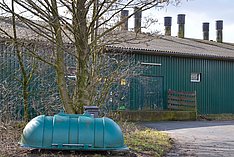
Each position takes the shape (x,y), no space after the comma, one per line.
(43,92)
(72,132)
(146,93)
(215,91)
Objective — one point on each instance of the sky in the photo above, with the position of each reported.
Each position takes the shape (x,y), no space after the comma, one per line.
(197,12)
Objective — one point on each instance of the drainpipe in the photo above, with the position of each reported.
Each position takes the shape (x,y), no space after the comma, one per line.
(181,22)
(219,28)
(167,24)
(137,16)
(124,16)
(205,29)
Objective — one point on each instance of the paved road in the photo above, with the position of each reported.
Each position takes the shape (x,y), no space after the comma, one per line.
(199,138)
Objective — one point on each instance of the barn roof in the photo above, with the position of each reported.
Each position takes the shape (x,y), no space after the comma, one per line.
(142,43)
(169,45)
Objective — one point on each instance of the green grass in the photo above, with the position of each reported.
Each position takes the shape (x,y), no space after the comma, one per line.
(144,141)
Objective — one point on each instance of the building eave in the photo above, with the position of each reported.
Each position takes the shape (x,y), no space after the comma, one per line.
(166,53)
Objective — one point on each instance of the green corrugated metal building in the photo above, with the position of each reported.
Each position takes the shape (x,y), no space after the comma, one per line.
(181,64)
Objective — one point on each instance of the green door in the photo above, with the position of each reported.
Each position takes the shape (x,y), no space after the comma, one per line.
(146,93)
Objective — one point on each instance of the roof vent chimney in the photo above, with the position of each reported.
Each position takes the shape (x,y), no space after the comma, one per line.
(219,28)
(205,29)
(167,24)
(124,17)
(181,22)
(138,15)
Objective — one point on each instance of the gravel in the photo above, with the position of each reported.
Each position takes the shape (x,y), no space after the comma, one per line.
(199,138)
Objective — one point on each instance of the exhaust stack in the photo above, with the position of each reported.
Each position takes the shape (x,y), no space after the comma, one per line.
(219,31)
(124,15)
(137,24)
(181,22)
(205,28)
(167,24)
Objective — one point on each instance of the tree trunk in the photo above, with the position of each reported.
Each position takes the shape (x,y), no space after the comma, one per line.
(25,78)
(60,63)
(81,95)
(25,97)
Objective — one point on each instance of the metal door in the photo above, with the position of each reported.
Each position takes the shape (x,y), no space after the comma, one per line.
(146,93)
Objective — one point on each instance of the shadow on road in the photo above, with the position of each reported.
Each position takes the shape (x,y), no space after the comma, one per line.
(174,125)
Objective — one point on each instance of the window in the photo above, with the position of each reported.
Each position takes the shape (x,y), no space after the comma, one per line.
(195,77)
(71,72)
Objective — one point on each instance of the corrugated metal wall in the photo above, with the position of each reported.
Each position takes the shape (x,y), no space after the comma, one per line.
(43,94)
(214,92)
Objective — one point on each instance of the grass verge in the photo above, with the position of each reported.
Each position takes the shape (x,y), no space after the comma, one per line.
(141,141)
(144,141)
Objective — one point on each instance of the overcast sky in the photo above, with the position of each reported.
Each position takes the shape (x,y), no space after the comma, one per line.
(197,12)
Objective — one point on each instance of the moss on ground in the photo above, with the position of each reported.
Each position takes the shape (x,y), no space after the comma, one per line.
(218,117)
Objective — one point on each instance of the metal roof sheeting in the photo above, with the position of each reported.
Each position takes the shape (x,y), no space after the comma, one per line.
(173,45)
(139,42)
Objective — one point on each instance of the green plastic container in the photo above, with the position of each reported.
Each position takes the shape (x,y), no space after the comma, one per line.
(72,132)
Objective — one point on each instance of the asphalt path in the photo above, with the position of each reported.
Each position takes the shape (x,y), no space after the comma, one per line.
(199,138)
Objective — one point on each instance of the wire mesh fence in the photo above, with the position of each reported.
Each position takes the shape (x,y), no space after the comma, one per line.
(112,92)
(43,93)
